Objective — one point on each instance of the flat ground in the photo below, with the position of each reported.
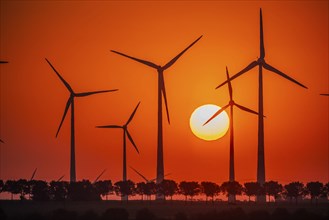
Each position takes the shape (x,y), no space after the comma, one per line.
(167,209)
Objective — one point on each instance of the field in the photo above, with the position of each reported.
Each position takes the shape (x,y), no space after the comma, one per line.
(165,210)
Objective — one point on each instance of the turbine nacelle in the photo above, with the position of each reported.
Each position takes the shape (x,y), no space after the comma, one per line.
(260,61)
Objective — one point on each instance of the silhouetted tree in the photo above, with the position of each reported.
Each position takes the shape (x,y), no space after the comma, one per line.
(294,190)
(314,189)
(40,191)
(325,191)
(168,188)
(231,188)
(23,187)
(11,187)
(1,185)
(150,188)
(210,189)
(252,189)
(104,187)
(272,188)
(82,191)
(140,188)
(189,189)
(124,188)
(58,190)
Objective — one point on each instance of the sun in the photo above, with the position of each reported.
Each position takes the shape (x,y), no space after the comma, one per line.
(215,129)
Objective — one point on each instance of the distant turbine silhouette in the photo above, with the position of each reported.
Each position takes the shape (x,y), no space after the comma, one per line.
(60,178)
(325,94)
(99,176)
(125,133)
(143,177)
(33,174)
(3,62)
(231,104)
(261,63)
(70,102)
(161,92)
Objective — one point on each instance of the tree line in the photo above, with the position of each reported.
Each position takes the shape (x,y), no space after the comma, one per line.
(85,190)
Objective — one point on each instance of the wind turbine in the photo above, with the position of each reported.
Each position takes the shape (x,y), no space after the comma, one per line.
(161,92)
(143,177)
(3,61)
(261,63)
(125,133)
(325,94)
(231,104)
(70,102)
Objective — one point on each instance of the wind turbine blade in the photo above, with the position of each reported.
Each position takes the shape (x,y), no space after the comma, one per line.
(325,94)
(82,94)
(249,67)
(245,109)
(217,113)
(229,84)
(152,180)
(262,48)
(141,175)
(61,78)
(147,63)
(99,176)
(131,140)
(164,95)
(60,178)
(132,115)
(109,126)
(33,174)
(3,61)
(171,62)
(68,103)
(270,68)
(168,174)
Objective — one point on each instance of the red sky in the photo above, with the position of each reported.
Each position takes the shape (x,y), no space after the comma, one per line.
(77,38)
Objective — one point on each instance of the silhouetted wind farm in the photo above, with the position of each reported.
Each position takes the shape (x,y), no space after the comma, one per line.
(161,92)
(261,64)
(231,104)
(70,103)
(296,123)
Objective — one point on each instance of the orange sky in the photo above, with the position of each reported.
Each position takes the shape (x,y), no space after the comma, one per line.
(77,38)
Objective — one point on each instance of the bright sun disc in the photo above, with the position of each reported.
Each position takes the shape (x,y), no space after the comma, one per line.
(215,129)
